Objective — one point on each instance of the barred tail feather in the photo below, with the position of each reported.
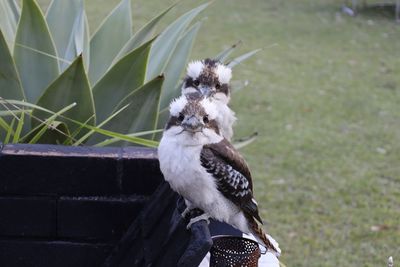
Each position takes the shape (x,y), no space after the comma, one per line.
(261,236)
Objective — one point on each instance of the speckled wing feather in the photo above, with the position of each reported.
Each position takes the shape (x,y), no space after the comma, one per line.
(231,174)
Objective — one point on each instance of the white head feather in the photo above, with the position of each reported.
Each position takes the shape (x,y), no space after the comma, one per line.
(194,69)
(224,73)
(177,105)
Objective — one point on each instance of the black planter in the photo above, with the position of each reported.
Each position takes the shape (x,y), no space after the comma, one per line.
(85,206)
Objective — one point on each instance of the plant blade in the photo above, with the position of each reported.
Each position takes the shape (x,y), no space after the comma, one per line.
(10,85)
(10,130)
(125,76)
(141,36)
(242,58)
(8,21)
(71,87)
(111,141)
(18,131)
(36,69)
(108,40)
(222,56)
(144,100)
(65,20)
(176,65)
(86,136)
(165,44)
(131,139)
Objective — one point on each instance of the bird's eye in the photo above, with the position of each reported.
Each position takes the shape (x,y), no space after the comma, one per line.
(218,86)
(196,82)
(181,117)
(205,119)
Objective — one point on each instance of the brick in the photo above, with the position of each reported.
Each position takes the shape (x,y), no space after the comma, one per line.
(29,253)
(96,218)
(74,171)
(34,217)
(58,170)
(140,176)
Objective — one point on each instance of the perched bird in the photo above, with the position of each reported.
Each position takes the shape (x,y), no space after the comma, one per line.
(211,78)
(206,170)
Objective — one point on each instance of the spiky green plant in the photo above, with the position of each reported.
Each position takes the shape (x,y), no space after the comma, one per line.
(60,85)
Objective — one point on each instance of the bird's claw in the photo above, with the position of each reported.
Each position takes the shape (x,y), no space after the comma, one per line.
(188,213)
(204,216)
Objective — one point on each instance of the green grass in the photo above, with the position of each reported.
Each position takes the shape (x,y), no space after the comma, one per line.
(326,103)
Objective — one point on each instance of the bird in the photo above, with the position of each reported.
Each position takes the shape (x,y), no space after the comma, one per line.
(210,78)
(206,170)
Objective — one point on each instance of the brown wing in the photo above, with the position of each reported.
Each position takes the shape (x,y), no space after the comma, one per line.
(232,175)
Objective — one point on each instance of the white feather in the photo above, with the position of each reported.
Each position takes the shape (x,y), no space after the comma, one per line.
(184,173)
(226,119)
(224,73)
(177,105)
(194,69)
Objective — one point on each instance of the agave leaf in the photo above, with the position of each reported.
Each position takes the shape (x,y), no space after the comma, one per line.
(85,42)
(36,69)
(227,52)
(176,65)
(15,9)
(144,100)
(167,41)
(10,85)
(63,18)
(55,132)
(75,133)
(108,40)
(124,77)
(47,122)
(86,136)
(242,58)
(71,87)
(66,22)
(111,141)
(142,35)
(8,20)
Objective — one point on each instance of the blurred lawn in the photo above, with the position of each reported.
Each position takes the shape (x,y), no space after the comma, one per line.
(326,103)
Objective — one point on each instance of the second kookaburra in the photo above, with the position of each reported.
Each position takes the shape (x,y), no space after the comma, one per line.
(206,170)
(210,79)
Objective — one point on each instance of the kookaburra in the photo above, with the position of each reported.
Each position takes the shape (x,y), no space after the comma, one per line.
(206,170)
(210,78)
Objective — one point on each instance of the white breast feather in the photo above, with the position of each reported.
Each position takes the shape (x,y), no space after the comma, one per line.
(182,169)
(226,119)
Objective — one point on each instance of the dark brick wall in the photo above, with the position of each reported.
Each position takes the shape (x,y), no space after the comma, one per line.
(69,206)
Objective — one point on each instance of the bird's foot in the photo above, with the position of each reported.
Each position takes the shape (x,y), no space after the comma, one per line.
(203,216)
(185,213)
(189,213)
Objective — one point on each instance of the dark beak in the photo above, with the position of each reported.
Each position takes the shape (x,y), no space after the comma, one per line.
(192,124)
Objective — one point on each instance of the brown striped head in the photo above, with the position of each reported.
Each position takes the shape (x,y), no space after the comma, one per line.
(192,115)
(208,77)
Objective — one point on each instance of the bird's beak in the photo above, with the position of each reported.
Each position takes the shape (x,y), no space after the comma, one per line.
(206,91)
(192,124)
